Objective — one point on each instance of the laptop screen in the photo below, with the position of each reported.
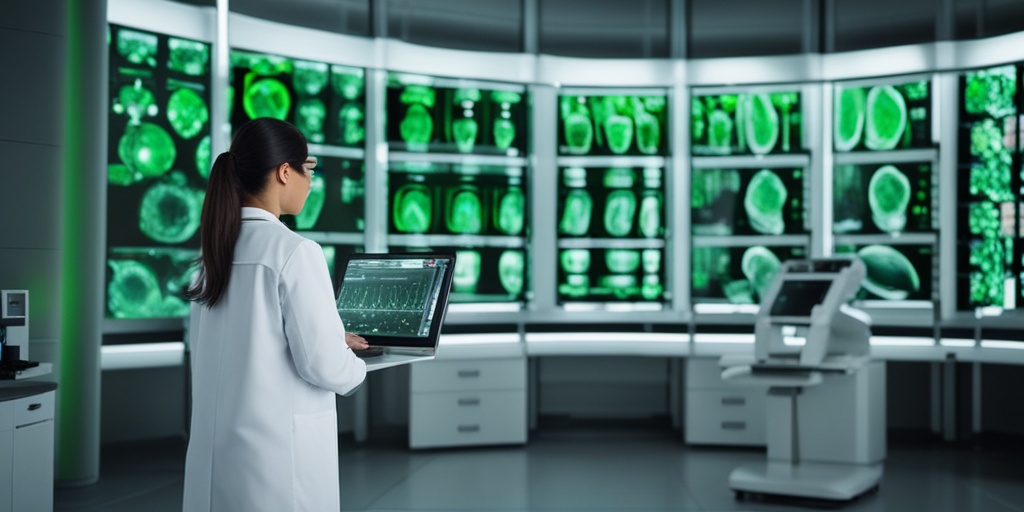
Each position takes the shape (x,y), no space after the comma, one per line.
(396,300)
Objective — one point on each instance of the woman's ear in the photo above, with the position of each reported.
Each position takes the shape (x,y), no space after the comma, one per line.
(283,173)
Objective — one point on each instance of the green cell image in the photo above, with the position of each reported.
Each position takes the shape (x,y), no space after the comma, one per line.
(576,215)
(762,123)
(621,286)
(465,211)
(619,177)
(650,216)
(133,290)
(188,57)
(203,156)
(309,119)
(886,118)
(648,132)
(511,207)
(351,121)
(622,261)
(351,189)
(146,149)
(466,97)
(309,78)
(137,47)
(766,196)
(991,91)
(187,113)
(413,209)
(261,64)
(169,211)
(421,94)
(266,97)
(850,113)
(310,213)
(888,197)
(720,126)
(579,133)
(511,271)
(136,101)
(652,289)
(759,265)
(784,102)
(991,173)
(619,132)
(575,261)
(651,260)
(347,82)
(619,212)
(464,132)
(467,271)
(697,124)
(119,174)
(890,275)
(504,132)
(417,127)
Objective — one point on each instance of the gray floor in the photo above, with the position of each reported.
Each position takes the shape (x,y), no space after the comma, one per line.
(606,469)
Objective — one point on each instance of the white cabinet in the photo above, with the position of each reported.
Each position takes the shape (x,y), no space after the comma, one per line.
(467,402)
(721,413)
(26,453)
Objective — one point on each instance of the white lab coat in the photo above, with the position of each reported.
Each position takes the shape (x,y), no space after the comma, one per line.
(267,361)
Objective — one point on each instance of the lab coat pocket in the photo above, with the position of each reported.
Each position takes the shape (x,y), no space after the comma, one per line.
(315,461)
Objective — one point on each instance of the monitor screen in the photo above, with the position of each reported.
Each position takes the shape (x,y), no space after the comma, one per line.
(749,201)
(890,198)
(396,300)
(612,125)
(797,298)
(882,117)
(748,123)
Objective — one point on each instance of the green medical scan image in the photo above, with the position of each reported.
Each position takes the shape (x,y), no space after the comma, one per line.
(137,47)
(504,128)
(203,157)
(619,212)
(888,195)
(612,125)
(146,149)
(135,100)
(417,127)
(413,209)
(746,123)
(148,283)
(307,218)
(763,202)
(576,211)
(574,261)
(467,271)
(759,266)
(610,275)
(464,209)
(310,114)
(187,113)
(188,57)
(882,117)
(349,83)
(510,204)
(512,271)
(622,261)
(848,117)
(650,215)
(352,124)
(886,118)
(309,78)
(890,273)
(736,275)
(266,97)
(169,212)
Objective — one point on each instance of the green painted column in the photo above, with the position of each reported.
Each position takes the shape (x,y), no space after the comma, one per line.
(83,243)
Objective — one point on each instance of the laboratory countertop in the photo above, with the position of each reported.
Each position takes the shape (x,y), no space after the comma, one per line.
(15,389)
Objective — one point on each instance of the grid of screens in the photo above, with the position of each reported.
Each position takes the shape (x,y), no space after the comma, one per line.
(326,102)
(336,201)
(158,155)
(744,124)
(738,275)
(424,117)
(894,272)
(882,117)
(612,125)
(748,201)
(888,198)
(989,258)
(611,275)
(482,274)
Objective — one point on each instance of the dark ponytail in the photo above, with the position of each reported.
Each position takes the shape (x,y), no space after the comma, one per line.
(258,148)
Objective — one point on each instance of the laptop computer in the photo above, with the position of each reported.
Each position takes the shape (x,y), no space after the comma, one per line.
(397,302)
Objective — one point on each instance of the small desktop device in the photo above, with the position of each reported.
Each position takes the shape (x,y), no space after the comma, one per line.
(397,302)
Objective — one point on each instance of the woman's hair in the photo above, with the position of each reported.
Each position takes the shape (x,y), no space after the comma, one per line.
(258,148)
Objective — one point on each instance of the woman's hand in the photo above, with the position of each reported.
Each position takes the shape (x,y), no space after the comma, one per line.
(355,341)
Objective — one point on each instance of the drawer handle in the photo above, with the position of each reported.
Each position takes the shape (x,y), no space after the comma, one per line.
(33,407)
(733,400)
(734,425)
(469,374)
(469,401)
(465,429)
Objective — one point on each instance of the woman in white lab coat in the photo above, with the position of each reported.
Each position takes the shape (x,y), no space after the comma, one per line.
(268,349)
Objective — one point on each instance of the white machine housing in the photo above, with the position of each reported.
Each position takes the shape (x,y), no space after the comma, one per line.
(14,318)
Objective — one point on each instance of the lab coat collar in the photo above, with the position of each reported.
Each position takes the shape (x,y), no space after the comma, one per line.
(253,213)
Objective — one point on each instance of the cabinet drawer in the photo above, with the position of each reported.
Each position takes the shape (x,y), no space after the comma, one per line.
(704,373)
(7,415)
(467,418)
(33,409)
(728,417)
(469,374)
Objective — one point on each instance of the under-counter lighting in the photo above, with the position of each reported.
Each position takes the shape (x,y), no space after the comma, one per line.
(956,342)
(607,337)
(476,339)
(901,341)
(142,355)
(794,341)
(485,307)
(600,306)
(1012,345)
(726,308)
(724,338)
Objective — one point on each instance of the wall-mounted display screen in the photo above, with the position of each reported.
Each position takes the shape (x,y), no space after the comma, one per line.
(456,199)
(989,186)
(326,102)
(889,198)
(158,155)
(425,115)
(882,117)
(612,125)
(737,275)
(748,201)
(611,275)
(894,272)
(613,202)
(336,198)
(484,274)
(746,123)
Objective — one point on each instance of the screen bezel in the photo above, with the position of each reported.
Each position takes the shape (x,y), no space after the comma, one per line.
(440,306)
